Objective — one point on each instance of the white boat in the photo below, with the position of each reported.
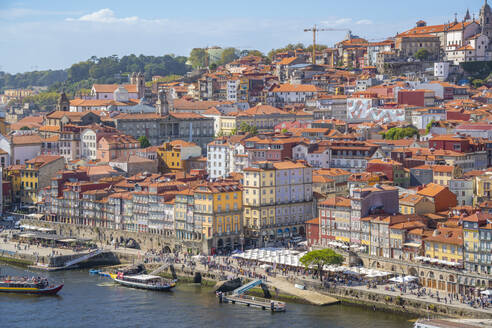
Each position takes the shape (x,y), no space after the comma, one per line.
(144,281)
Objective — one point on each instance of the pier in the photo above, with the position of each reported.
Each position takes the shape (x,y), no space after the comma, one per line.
(262,303)
(237,297)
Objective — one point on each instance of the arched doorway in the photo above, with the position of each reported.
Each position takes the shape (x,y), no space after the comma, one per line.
(220,243)
(413,272)
(302,231)
(294,231)
(451,284)
(166,250)
(431,281)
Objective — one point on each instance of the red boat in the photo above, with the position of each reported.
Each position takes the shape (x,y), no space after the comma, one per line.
(28,286)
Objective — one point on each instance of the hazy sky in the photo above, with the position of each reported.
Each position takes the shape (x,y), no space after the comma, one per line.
(44,34)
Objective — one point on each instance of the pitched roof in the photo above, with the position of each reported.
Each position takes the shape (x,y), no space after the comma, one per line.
(44,159)
(284,165)
(431,190)
(26,139)
(411,199)
(287,61)
(336,201)
(182,143)
(262,110)
(32,122)
(107,88)
(295,88)
(447,236)
(478,217)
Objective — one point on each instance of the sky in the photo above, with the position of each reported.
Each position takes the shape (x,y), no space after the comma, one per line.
(53,34)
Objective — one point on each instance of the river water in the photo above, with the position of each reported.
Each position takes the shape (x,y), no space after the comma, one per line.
(93,301)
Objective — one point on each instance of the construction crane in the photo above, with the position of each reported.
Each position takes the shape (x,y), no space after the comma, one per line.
(315,30)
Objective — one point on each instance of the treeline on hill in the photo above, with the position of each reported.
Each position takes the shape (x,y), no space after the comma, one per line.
(479,72)
(294,46)
(110,69)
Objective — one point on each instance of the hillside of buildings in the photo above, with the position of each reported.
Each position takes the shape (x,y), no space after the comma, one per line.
(381,147)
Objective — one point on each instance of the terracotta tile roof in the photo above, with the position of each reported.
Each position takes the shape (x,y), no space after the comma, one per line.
(141,116)
(100,103)
(287,61)
(182,143)
(212,111)
(408,225)
(32,122)
(295,88)
(50,128)
(332,172)
(431,190)
(447,236)
(285,165)
(443,168)
(411,199)
(44,159)
(436,28)
(336,201)
(321,179)
(184,116)
(385,161)
(184,104)
(131,159)
(262,110)
(27,139)
(478,217)
(107,88)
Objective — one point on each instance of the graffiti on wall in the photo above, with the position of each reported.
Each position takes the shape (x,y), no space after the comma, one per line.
(362,110)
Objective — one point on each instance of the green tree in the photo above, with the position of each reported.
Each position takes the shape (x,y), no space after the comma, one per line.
(228,55)
(233,131)
(400,133)
(477,83)
(44,101)
(289,47)
(198,57)
(25,128)
(320,258)
(284,131)
(429,126)
(256,53)
(144,142)
(422,54)
(244,127)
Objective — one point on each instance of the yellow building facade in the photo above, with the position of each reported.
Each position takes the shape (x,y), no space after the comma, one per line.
(174,153)
(218,206)
(445,244)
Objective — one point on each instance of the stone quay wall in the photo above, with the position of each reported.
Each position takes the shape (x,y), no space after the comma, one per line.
(400,304)
(104,236)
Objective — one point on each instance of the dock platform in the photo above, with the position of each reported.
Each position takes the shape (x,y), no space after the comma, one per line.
(253,301)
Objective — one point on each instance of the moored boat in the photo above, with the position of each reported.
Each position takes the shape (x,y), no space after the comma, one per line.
(144,281)
(37,286)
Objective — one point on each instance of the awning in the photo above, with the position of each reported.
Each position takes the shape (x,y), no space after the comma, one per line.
(35,215)
(412,244)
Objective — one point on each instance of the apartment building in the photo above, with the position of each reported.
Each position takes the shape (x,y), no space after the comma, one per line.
(277,200)
(218,208)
